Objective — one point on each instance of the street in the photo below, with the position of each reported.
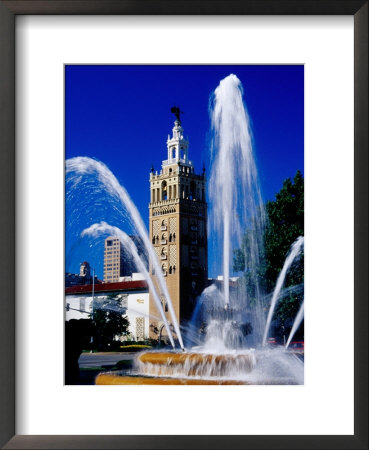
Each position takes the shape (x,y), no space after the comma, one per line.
(90,360)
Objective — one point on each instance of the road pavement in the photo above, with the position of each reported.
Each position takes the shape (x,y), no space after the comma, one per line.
(90,360)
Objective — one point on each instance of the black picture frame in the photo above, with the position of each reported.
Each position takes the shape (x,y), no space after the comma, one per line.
(8,12)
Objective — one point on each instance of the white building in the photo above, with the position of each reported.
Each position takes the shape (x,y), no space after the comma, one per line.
(133,292)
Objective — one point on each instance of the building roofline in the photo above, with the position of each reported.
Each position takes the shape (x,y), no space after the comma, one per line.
(137,285)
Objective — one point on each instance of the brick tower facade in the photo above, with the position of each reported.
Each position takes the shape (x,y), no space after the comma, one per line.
(178,218)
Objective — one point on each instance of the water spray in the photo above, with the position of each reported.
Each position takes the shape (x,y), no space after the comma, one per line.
(294,252)
(127,242)
(84,165)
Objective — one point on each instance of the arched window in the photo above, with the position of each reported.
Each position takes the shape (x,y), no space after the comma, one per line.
(164,303)
(164,269)
(164,193)
(170,269)
(192,195)
(174,237)
(170,237)
(174,269)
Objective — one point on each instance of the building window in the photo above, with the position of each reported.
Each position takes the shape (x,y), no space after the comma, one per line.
(164,190)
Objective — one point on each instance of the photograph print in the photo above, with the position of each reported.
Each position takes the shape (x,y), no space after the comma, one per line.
(184,224)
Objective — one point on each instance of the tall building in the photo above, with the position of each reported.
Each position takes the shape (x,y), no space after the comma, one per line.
(113,259)
(178,217)
(118,262)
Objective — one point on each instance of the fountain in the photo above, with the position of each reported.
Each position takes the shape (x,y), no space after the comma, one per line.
(230,324)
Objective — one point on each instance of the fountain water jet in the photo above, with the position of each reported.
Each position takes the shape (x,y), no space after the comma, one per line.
(294,252)
(101,228)
(296,324)
(234,191)
(84,165)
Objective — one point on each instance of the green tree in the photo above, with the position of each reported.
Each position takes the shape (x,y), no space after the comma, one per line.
(285,223)
(109,322)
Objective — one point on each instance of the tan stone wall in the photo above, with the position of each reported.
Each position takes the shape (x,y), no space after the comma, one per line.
(178,213)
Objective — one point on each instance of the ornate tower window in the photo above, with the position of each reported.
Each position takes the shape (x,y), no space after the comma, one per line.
(164,269)
(163,254)
(192,195)
(164,193)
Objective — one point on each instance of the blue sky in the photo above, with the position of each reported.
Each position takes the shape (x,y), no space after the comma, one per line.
(121,116)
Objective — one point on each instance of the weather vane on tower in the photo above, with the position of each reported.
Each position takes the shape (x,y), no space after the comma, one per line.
(177,112)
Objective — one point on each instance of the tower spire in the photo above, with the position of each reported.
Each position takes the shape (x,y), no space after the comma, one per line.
(177,145)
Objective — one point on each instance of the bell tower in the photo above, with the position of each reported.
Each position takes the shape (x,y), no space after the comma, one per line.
(178,218)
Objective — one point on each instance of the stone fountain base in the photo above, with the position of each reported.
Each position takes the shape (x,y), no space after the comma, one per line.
(111,379)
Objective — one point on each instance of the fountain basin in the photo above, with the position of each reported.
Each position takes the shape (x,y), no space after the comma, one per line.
(113,379)
(195,364)
(269,367)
